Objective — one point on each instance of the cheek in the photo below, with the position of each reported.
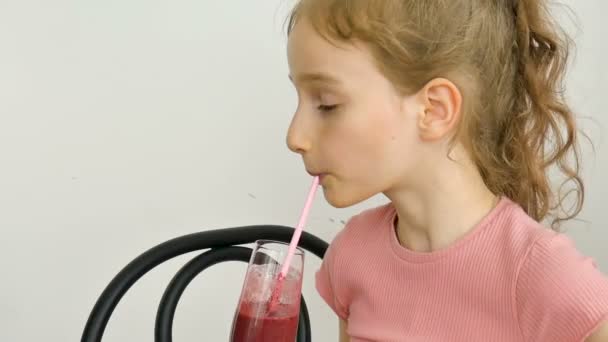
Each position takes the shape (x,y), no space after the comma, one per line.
(341,145)
(380,132)
(364,142)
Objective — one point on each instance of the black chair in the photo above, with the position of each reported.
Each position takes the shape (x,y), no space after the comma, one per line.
(220,245)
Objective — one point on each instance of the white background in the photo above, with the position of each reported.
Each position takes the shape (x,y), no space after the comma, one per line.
(126,123)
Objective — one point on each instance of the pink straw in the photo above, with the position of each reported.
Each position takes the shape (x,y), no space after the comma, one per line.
(295,239)
(298,232)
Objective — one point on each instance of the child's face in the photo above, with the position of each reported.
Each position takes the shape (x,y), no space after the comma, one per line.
(351,126)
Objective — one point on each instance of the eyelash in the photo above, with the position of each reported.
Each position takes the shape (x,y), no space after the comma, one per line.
(327,108)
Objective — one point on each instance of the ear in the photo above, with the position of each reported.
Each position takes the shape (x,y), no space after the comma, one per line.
(442,105)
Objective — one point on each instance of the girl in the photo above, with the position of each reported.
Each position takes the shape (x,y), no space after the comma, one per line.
(454,110)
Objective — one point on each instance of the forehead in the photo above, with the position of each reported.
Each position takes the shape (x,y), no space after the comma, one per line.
(311,57)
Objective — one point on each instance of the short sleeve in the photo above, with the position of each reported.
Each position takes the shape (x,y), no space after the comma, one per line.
(325,283)
(560,294)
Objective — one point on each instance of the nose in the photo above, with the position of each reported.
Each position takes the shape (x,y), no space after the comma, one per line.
(298,138)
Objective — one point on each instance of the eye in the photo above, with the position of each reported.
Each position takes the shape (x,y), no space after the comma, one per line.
(327,108)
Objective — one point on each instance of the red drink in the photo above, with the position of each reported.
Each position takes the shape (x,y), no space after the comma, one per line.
(252,325)
(255,320)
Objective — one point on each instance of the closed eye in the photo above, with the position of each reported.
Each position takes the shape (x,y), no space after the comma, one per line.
(327,108)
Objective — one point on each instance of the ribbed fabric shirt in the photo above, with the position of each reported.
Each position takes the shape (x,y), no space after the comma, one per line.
(508,279)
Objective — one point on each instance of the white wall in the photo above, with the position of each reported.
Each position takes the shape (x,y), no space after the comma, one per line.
(127,123)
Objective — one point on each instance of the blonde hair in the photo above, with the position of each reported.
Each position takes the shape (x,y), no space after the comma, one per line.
(507,57)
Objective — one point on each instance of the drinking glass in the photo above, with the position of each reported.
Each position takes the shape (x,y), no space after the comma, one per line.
(255,320)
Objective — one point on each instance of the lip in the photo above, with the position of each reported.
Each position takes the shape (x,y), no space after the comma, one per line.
(315,174)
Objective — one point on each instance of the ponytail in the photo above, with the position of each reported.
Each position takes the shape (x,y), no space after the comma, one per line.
(542,129)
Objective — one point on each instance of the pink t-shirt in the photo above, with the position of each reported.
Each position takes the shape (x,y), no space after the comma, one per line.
(509,279)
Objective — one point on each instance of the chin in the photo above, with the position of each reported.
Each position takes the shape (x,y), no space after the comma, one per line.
(343,199)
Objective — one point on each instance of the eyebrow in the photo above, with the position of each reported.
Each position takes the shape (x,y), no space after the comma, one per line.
(312,77)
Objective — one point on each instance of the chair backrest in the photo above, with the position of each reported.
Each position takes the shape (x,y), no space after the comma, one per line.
(220,245)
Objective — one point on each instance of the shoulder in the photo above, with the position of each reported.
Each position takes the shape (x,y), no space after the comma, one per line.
(358,234)
(517,236)
(362,227)
(560,294)
(333,275)
(554,263)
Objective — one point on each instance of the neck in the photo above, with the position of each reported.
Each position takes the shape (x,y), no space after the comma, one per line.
(441,209)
